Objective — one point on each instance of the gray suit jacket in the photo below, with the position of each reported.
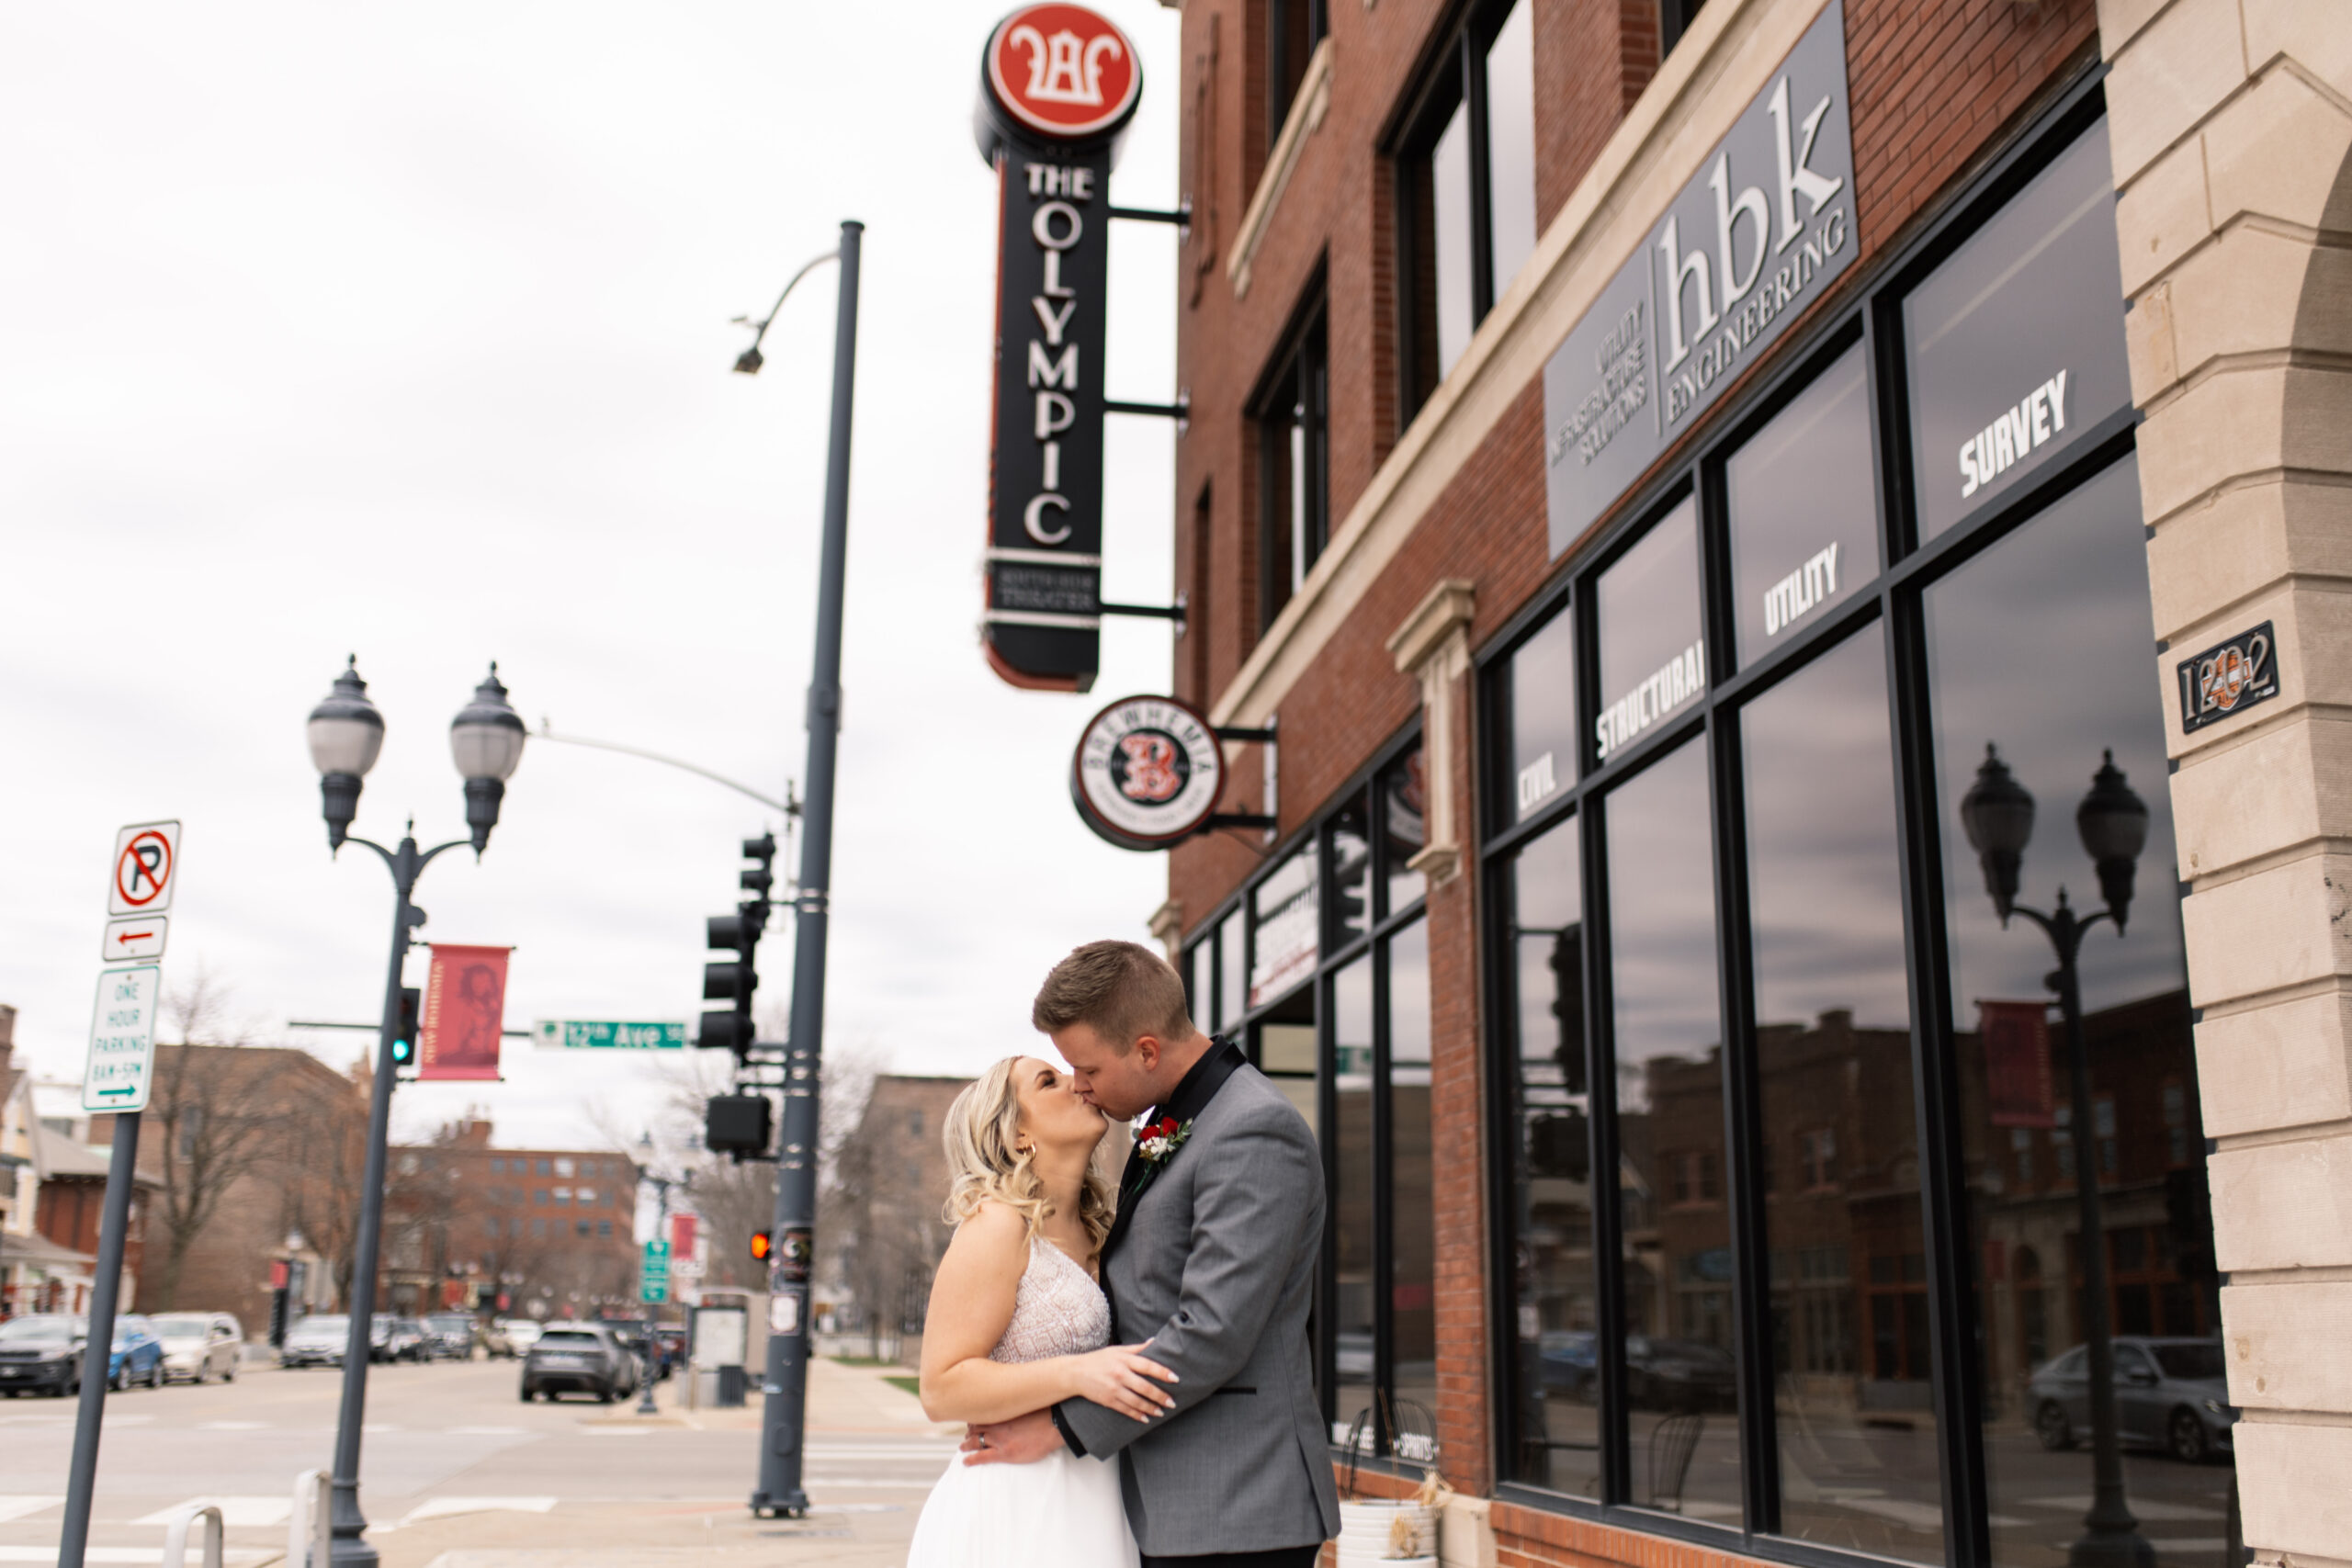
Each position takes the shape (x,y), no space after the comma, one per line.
(1214,1263)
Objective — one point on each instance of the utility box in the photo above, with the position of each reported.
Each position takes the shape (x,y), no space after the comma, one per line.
(716,1348)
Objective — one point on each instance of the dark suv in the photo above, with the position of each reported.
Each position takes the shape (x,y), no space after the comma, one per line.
(41,1353)
(578,1358)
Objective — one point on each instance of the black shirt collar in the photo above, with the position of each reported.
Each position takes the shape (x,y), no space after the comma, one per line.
(1197,1087)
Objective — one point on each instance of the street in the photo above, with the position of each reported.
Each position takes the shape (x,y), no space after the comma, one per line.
(457,1472)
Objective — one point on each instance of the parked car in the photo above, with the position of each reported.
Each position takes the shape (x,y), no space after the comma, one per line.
(671,1339)
(41,1353)
(2171,1395)
(198,1344)
(316,1341)
(578,1358)
(636,1334)
(392,1338)
(413,1341)
(1569,1358)
(495,1341)
(450,1336)
(137,1355)
(1680,1374)
(521,1333)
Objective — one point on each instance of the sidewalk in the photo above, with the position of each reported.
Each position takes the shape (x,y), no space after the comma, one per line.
(852,1411)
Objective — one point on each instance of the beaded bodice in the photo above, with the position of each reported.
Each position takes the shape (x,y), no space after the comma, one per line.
(1058,1310)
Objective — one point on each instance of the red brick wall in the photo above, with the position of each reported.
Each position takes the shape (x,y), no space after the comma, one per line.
(1934,86)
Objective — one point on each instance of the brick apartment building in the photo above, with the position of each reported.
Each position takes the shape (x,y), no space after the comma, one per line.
(550,1232)
(880,1221)
(1641,454)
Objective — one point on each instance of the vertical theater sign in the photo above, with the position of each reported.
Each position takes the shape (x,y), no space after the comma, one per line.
(1058,85)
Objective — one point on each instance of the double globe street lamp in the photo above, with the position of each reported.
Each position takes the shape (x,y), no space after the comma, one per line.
(346,733)
(1997,813)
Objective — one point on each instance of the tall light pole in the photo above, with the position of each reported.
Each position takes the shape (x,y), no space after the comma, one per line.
(785,1391)
(1997,813)
(346,734)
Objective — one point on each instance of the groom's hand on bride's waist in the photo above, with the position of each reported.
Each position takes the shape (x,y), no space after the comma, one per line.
(1024,1439)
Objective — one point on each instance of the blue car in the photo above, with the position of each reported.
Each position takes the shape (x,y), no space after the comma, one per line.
(138,1354)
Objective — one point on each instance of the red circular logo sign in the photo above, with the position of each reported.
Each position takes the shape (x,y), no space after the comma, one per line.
(1063,71)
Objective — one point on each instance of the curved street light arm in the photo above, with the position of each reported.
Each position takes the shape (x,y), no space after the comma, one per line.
(547,732)
(760,327)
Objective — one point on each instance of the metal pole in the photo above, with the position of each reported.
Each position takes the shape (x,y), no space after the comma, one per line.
(352,1549)
(645,1405)
(2110,1536)
(786,1392)
(98,1346)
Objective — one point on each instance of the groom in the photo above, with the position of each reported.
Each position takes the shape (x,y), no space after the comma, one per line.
(1212,1259)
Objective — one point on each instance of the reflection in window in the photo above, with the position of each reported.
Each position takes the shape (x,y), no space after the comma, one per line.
(1855,1432)
(1404,807)
(1681,1390)
(1412,1226)
(1348,844)
(1287,924)
(1555,1422)
(1653,658)
(1467,173)
(1285,1053)
(1542,680)
(1352,1326)
(1804,509)
(1231,970)
(2016,342)
(2069,591)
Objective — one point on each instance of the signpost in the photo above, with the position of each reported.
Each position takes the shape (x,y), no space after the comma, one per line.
(116,1080)
(606,1034)
(653,1273)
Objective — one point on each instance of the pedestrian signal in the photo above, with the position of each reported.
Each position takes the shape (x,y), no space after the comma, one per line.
(763,1246)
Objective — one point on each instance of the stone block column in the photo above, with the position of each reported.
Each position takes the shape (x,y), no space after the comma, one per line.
(2231,124)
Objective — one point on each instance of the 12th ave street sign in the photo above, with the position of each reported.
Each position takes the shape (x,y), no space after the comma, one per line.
(607,1034)
(123,1040)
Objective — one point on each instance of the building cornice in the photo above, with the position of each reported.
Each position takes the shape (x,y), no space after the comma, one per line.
(1719,67)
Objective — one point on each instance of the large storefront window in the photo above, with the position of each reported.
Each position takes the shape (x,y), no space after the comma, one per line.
(1336,1012)
(1791,1153)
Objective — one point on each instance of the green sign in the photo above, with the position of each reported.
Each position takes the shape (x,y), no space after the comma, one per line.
(653,1273)
(609,1035)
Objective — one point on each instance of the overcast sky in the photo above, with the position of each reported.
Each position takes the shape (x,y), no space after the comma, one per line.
(406,332)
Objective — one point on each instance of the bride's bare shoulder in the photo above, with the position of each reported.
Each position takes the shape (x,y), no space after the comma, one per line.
(995,1228)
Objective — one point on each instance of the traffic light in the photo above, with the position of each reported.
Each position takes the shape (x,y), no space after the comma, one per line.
(735,978)
(405,1037)
(738,1124)
(763,1244)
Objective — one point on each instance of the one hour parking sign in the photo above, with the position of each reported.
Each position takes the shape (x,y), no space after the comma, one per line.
(123,1040)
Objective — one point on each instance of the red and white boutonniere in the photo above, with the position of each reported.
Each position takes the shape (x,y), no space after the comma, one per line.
(1158,1142)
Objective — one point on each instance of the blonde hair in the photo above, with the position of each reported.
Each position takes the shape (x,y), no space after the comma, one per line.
(985,1163)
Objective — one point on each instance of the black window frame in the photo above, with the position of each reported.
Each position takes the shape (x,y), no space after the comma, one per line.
(1452,72)
(1892,601)
(1200,966)
(1295,390)
(1293,31)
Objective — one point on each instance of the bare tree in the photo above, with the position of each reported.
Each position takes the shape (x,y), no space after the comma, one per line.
(215,1118)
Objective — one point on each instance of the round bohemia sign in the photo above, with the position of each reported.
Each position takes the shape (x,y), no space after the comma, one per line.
(1063,71)
(1148,772)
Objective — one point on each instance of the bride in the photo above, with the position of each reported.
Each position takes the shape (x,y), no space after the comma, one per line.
(1018,1323)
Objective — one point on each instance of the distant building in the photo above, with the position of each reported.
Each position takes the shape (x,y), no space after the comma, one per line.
(53,1195)
(881,1229)
(547,1232)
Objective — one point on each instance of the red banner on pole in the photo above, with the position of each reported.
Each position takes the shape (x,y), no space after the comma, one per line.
(2016,1064)
(465,1013)
(682,1236)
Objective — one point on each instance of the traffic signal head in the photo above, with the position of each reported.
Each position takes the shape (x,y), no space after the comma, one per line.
(732,980)
(405,1037)
(759,877)
(763,1246)
(738,1124)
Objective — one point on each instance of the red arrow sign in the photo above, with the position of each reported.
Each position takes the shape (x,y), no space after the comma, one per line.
(127,937)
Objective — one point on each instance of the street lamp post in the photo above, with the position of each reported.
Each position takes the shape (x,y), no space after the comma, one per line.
(1997,813)
(784,1391)
(346,734)
(661,1185)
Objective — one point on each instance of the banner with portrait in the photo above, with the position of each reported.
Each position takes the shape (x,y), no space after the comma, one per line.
(464,1015)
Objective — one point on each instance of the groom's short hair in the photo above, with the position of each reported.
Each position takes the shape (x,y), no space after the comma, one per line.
(1122,990)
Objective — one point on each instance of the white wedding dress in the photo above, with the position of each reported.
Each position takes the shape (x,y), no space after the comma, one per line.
(1063,1511)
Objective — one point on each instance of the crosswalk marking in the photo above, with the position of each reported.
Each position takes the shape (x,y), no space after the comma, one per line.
(24,1506)
(442,1507)
(129,1555)
(233,1510)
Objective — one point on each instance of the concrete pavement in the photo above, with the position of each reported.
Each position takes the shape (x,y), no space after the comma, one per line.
(457,1472)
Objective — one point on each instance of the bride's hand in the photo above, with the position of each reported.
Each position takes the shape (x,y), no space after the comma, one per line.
(1120,1378)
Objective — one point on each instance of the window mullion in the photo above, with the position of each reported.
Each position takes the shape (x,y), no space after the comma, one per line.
(1482,227)
(1384,1228)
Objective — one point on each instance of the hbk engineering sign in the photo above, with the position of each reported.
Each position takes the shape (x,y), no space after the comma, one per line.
(1058,85)
(1756,237)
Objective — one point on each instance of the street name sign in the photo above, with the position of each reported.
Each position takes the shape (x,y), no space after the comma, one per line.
(135,937)
(123,1040)
(146,868)
(607,1034)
